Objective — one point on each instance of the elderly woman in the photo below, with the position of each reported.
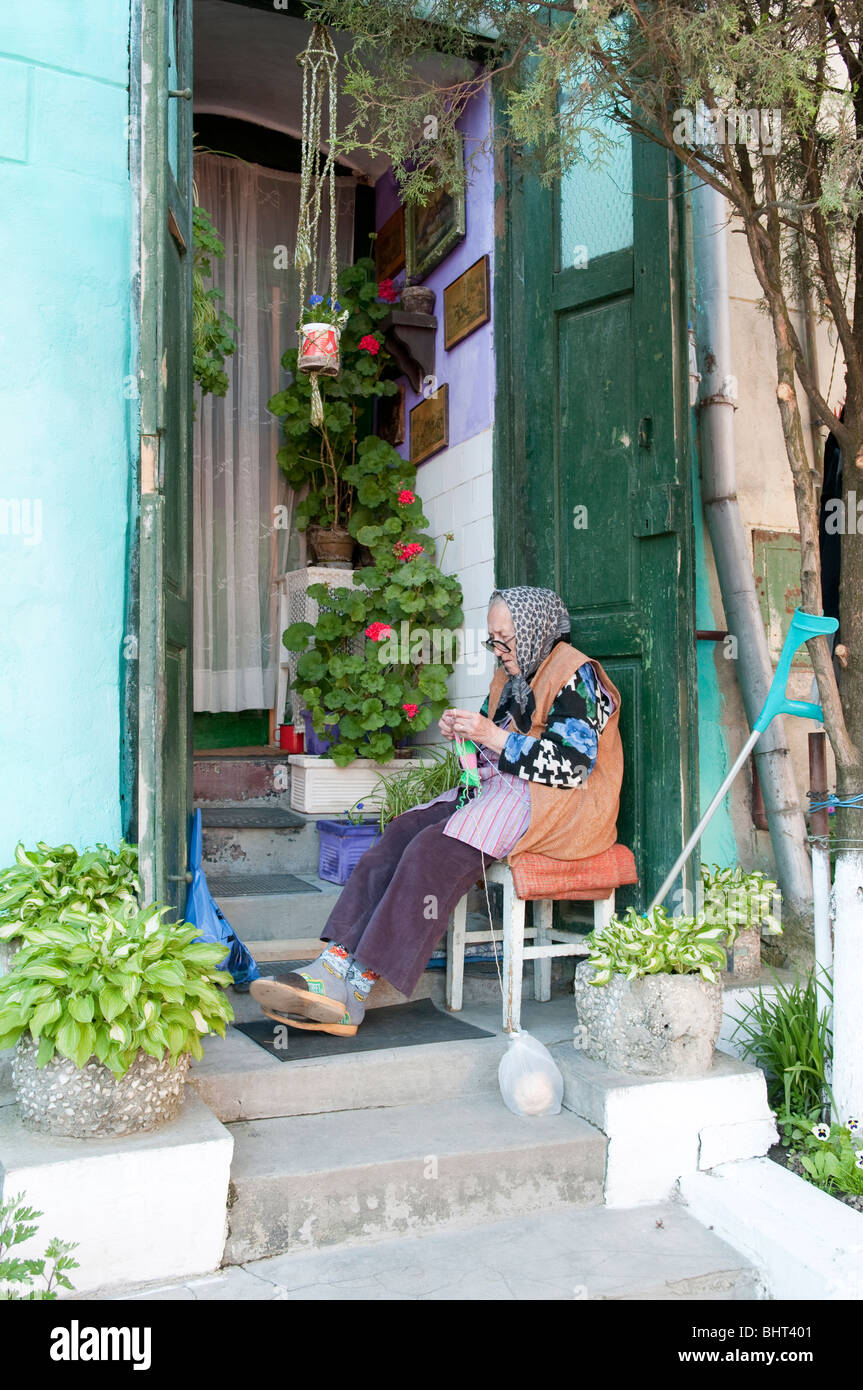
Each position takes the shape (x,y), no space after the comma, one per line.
(550,772)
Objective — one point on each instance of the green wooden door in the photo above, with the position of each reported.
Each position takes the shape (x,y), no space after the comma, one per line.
(592,477)
(165,684)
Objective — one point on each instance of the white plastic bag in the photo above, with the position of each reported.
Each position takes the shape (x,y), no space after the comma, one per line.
(529,1078)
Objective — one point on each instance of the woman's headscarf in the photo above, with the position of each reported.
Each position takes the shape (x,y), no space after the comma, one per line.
(539,619)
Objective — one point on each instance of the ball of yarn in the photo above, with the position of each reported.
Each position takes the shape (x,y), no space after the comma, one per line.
(533,1093)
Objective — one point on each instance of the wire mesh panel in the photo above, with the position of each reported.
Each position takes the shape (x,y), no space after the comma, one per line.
(297,606)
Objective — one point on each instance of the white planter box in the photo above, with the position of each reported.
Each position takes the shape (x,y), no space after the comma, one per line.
(319,786)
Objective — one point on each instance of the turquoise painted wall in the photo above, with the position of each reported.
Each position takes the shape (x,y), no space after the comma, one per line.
(65,373)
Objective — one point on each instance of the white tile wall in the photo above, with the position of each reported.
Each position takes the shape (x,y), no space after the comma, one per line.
(456,491)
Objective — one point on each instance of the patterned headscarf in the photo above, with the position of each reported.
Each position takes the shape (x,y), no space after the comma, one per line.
(539,619)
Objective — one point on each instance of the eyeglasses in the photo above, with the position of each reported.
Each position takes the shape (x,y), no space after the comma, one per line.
(491,642)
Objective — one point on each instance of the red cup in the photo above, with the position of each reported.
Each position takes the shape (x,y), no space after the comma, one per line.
(290,739)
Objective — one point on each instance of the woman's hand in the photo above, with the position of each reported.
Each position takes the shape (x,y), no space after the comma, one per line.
(476,727)
(445,723)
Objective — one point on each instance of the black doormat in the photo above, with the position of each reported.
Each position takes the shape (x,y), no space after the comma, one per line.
(257,885)
(395,1025)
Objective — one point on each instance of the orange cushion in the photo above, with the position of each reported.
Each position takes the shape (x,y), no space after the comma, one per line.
(537,876)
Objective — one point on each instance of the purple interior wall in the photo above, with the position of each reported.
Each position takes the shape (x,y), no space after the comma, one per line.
(468,367)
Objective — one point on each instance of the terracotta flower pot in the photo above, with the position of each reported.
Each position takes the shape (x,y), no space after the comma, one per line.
(319,348)
(418,299)
(331,545)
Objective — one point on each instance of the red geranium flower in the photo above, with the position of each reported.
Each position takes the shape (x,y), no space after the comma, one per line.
(378,631)
(410,710)
(406,497)
(370,344)
(407,552)
(387,291)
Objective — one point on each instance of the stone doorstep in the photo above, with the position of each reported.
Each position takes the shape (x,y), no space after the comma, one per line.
(313,1181)
(660,1128)
(806,1244)
(141,1206)
(660,1253)
(240,1081)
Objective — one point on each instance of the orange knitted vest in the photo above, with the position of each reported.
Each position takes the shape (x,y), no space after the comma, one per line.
(570,822)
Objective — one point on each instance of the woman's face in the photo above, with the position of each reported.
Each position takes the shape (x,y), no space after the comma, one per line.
(500,628)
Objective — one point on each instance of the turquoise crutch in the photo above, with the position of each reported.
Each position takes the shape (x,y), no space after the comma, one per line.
(803,627)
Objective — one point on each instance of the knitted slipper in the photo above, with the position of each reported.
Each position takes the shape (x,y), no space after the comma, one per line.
(297,995)
(353,1013)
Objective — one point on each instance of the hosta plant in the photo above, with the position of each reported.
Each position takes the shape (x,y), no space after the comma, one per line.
(633,945)
(738,900)
(96,984)
(49,879)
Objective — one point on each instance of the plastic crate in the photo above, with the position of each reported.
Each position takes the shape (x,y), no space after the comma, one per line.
(342,845)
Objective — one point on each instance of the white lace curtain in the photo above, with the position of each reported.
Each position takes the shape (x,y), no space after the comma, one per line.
(238,551)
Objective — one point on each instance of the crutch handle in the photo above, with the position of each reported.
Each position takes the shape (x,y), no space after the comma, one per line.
(803,627)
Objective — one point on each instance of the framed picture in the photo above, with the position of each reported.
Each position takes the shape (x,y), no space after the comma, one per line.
(432,231)
(391,417)
(390,246)
(430,425)
(466,303)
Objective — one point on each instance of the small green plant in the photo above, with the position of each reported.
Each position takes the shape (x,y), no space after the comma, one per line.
(739,900)
(633,945)
(48,879)
(93,983)
(791,1041)
(416,785)
(212,329)
(353,815)
(17,1276)
(830,1154)
(319,310)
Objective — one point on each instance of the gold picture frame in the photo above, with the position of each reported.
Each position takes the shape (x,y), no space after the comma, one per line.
(391,417)
(466,303)
(430,425)
(432,231)
(390,246)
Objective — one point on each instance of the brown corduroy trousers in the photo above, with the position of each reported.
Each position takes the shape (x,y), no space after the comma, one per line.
(396,904)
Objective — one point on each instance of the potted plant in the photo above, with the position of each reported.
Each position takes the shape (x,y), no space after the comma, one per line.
(745,903)
(48,878)
(406,610)
(649,997)
(106,1009)
(344,337)
(343,842)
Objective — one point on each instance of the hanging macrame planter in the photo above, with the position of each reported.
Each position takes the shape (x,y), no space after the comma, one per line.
(319,327)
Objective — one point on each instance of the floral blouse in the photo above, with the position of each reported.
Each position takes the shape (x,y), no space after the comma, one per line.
(564,755)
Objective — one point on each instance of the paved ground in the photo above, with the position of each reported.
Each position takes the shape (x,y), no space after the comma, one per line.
(655,1252)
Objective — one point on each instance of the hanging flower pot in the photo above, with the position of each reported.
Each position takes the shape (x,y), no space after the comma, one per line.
(319,348)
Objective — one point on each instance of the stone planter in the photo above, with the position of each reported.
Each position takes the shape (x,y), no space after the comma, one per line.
(319,786)
(744,958)
(654,1025)
(418,299)
(60,1099)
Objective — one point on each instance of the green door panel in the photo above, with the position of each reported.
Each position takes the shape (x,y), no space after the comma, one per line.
(591,452)
(165,718)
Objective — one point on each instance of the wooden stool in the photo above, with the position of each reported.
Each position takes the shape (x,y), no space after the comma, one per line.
(544,881)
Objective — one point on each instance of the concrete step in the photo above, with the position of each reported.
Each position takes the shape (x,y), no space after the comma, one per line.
(657,1253)
(271,915)
(317,1181)
(241,1081)
(257,839)
(260,777)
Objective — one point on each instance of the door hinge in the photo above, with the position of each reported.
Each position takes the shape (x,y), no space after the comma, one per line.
(185,93)
(655,509)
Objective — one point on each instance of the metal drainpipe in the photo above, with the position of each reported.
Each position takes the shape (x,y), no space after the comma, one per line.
(731,549)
